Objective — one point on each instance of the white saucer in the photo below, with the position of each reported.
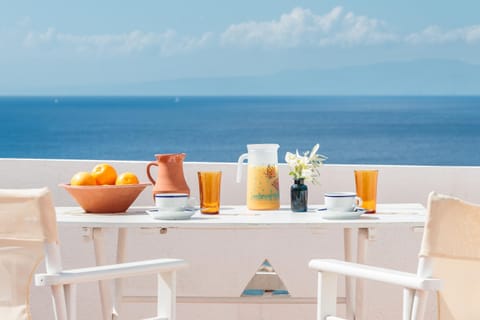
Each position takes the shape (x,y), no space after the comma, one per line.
(342,215)
(170,215)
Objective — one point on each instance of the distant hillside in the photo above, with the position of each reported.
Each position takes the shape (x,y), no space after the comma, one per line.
(402,78)
(421,77)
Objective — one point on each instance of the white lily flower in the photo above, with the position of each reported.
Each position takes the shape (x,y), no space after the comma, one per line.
(314,151)
(290,157)
(306,160)
(305,166)
(307,174)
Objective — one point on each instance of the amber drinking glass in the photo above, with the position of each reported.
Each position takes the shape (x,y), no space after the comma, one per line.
(366,184)
(209,186)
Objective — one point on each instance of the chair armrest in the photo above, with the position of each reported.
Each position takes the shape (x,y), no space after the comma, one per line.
(107,272)
(404,279)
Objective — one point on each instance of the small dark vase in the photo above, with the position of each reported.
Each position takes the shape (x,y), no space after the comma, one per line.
(298,196)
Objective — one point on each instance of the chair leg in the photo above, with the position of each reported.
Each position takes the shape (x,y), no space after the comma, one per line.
(166,295)
(59,304)
(71,299)
(326,295)
(408,295)
(419,304)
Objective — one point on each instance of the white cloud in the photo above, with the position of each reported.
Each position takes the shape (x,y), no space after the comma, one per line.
(436,35)
(34,39)
(472,34)
(167,43)
(298,28)
(357,30)
(303,27)
(24,22)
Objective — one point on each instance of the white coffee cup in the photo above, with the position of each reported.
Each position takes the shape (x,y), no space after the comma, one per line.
(342,201)
(171,201)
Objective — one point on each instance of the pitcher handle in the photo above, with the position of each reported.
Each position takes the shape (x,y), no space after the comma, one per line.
(148,171)
(241,159)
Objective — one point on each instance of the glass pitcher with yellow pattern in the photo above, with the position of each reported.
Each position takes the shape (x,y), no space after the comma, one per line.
(262,177)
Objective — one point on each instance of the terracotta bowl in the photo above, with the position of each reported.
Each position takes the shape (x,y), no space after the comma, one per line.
(107,198)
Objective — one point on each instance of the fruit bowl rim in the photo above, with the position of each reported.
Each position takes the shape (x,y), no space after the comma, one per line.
(105,186)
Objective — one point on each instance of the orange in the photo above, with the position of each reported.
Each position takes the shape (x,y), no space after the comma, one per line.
(127,178)
(83,179)
(104,174)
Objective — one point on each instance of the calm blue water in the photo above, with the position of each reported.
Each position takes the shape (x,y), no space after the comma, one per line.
(350,130)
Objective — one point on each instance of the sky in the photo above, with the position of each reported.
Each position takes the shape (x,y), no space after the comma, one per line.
(46,45)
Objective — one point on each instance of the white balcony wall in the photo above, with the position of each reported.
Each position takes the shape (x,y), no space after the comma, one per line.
(222,262)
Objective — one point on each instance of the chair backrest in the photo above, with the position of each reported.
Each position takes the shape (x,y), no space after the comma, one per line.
(451,242)
(27,222)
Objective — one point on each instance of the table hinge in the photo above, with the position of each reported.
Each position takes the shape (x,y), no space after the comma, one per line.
(418,229)
(87,233)
(154,230)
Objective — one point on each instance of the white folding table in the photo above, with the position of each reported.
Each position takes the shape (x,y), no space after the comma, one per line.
(240,218)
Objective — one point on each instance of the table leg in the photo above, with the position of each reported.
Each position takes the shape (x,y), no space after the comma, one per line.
(104,285)
(362,245)
(118,289)
(349,282)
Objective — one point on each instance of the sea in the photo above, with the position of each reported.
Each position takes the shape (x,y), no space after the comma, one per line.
(397,130)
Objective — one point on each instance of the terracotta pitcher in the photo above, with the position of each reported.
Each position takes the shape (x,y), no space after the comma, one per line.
(170,174)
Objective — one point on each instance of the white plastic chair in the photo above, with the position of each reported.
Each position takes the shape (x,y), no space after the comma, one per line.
(450,251)
(28,233)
